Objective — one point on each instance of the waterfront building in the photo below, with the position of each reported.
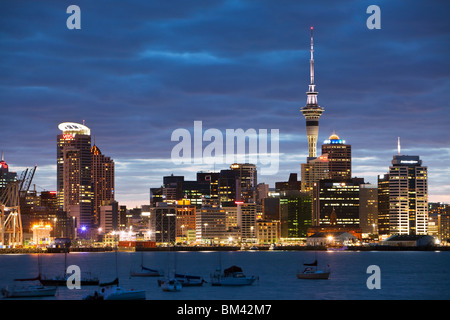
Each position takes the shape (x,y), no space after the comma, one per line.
(338,197)
(383,206)
(295,214)
(186,218)
(163,223)
(339,156)
(102,182)
(246,218)
(368,208)
(73,176)
(211,225)
(109,217)
(267,231)
(408,196)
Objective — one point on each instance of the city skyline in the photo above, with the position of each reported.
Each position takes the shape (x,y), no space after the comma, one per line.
(136,73)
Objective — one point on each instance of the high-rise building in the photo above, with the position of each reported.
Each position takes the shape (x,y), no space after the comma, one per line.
(312,111)
(313,171)
(339,158)
(6,176)
(383,206)
(247,176)
(368,208)
(408,196)
(102,182)
(163,222)
(85,178)
(246,220)
(295,213)
(337,202)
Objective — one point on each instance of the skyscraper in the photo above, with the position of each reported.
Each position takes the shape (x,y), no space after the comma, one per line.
(339,157)
(102,182)
(6,176)
(74,170)
(408,196)
(312,111)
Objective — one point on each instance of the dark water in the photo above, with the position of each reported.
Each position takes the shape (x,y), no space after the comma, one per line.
(404,275)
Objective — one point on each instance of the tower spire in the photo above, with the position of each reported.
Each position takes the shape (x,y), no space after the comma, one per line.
(398,145)
(312,111)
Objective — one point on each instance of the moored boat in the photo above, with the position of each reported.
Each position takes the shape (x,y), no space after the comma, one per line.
(313,273)
(28,291)
(171,285)
(232,276)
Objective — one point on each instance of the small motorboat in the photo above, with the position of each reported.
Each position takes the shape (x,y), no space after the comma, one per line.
(232,276)
(171,285)
(313,273)
(28,291)
(116,293)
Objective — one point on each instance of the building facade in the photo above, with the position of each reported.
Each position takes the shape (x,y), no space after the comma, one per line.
(339,156)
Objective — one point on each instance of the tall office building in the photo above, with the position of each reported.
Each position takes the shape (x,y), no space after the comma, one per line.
(313,171)
(247,176)
(408,196)
(383,206)
(6,176)
(368,208)
(85,178)
(74,169)
(339,158)
(102,182)
(312,111)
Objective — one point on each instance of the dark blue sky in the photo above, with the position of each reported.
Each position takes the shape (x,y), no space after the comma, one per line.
(138,70)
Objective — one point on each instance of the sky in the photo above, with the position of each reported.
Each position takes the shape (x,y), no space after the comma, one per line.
(137,71)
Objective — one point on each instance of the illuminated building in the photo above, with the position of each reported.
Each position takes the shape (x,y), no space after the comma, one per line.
(213,179)
(163,223)
(408,196)
(313,171)
(109,217)
(211,225)
(74,170)
(41,234)
(339,157)
(228,186)
(102,182)
(340,198)
(186,213)
(295,213)
(368,208)
(312,111)
(267,231)
(5,175)
(246,220)
(247,176)
(383,205)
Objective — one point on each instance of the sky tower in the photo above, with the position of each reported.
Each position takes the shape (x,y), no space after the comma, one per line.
(312,111)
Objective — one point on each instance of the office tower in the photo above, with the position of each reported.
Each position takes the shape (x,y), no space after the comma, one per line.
(102,182)
(211,225)
(5,175)
(247,176)
(339,157)
(172,189)
(74,170)
(246,220)
(337,202)
(383,206)
(109,217)
(408,196)
(368,208)
(195,191)
(213,179)
(163,222)
(312,111)
(295,214)
(313,171)
(228,187)
(186,213)
(262,192)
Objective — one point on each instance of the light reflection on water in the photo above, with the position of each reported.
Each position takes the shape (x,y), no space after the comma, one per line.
(404,275)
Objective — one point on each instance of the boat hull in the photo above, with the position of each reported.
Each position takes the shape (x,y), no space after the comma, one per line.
(314,276)
(38,291)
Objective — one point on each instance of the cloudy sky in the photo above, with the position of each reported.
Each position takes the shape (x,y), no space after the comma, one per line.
(138,70)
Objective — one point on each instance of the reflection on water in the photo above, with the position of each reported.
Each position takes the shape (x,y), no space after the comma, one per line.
(404,275)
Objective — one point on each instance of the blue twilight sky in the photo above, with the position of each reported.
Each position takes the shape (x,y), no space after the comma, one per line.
(138,70)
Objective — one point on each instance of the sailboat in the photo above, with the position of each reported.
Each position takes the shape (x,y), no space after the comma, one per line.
(112,291)
(144,271)
(170,283)
(232,276)
(312,272)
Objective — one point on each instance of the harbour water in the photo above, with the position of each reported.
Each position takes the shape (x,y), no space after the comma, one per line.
(404,275)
